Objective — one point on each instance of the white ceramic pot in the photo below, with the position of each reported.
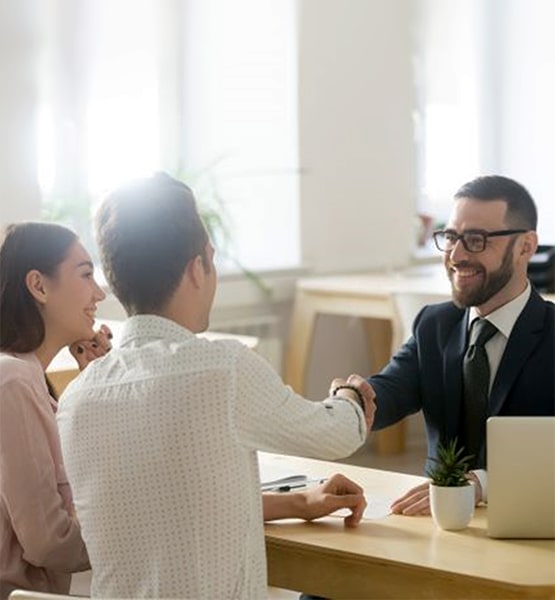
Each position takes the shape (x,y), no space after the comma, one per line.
(452,507)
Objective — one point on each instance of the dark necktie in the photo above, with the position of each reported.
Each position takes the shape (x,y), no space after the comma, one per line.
(476,390)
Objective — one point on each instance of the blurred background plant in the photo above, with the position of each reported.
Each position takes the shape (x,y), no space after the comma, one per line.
(218,222)
(76,212)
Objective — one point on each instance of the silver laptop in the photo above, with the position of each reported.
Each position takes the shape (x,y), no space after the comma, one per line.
(521,477)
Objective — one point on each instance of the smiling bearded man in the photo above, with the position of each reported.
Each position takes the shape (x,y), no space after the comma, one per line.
(474,281)
(487,244)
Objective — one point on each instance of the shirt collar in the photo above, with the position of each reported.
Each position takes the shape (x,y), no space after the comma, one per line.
(144,327)
(505,316)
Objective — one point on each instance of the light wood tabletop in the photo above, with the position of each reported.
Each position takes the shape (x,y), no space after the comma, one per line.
(397,556)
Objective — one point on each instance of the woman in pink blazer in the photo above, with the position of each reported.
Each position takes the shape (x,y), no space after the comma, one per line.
(48,299)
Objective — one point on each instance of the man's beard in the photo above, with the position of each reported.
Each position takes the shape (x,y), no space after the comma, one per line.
(492,283)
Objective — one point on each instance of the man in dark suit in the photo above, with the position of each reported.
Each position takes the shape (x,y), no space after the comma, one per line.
(487,245)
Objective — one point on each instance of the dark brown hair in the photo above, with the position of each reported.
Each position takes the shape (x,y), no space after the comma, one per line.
(147,232)
(521,209)
(24,247)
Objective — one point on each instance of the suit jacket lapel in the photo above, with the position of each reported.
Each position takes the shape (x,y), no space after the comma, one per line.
(524,337)
(452,369)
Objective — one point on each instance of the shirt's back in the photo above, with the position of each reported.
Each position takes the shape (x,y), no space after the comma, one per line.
(159,438)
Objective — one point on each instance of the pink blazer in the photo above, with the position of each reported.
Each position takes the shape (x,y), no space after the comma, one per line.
(40,539)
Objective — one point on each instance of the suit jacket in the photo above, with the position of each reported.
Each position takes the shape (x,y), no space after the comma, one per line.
(426,373)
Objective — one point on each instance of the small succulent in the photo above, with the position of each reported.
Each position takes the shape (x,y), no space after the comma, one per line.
(451,465)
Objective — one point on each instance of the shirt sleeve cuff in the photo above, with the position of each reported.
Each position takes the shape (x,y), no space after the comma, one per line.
(482,477)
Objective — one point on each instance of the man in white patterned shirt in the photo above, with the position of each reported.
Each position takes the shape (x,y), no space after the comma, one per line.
(160,436)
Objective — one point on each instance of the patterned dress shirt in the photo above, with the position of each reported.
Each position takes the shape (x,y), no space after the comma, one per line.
(160,439)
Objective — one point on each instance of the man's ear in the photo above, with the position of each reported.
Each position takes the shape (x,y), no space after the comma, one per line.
(195,271)
(529,244)
(34,280)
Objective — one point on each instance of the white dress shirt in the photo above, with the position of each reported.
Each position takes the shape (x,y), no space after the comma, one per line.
(504,318)
(159,439)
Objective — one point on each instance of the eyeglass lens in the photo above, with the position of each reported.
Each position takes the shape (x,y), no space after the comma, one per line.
(472,241)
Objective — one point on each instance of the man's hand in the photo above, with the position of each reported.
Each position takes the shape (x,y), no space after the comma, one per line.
(336,493)
(414,502)
(84,351)
(417,500)
(365,389)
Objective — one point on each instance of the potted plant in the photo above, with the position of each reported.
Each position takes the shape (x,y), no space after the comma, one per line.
(451,493)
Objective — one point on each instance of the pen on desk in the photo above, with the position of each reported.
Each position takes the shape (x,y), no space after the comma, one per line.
(296,486)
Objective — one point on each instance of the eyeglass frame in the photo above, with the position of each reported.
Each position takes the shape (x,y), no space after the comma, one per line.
(483,232)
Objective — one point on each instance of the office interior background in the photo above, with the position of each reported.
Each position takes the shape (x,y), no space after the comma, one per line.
(322,130)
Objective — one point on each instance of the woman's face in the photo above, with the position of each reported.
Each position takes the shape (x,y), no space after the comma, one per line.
(70,299)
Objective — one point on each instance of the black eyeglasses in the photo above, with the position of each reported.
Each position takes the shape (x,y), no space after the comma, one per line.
(474,240)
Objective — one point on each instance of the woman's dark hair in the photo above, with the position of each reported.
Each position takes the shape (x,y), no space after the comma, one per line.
(24,247)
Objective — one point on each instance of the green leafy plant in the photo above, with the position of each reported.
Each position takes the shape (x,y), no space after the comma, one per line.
(213,212)
(451,465)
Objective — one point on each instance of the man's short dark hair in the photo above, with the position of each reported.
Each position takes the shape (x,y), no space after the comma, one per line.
(521,209)
(147,232)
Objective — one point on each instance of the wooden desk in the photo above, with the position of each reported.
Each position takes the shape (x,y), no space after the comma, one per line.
(363,295)
(64,368)
(401,557)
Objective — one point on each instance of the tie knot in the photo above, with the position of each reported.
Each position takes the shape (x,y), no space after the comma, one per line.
(482,331)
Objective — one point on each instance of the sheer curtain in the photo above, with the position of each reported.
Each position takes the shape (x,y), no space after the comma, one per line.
(205,89)
(447,72)
(485,74)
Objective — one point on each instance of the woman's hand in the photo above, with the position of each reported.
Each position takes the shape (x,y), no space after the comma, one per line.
(84,351)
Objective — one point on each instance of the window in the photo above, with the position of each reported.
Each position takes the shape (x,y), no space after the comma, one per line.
(196,89)
(447,80)
(485,75)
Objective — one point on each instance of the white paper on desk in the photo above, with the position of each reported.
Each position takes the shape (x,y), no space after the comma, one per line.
(275,472)
(290,480)
(377,507)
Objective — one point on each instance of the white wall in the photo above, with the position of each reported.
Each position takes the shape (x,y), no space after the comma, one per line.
(356,136)
(357,156)
(19,194)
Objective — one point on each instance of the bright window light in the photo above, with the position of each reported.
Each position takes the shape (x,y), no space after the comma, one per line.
(135,86)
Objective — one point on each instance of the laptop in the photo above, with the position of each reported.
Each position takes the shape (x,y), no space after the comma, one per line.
(521,477)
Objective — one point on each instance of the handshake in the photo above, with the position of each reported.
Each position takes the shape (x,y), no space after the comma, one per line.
(356,389)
